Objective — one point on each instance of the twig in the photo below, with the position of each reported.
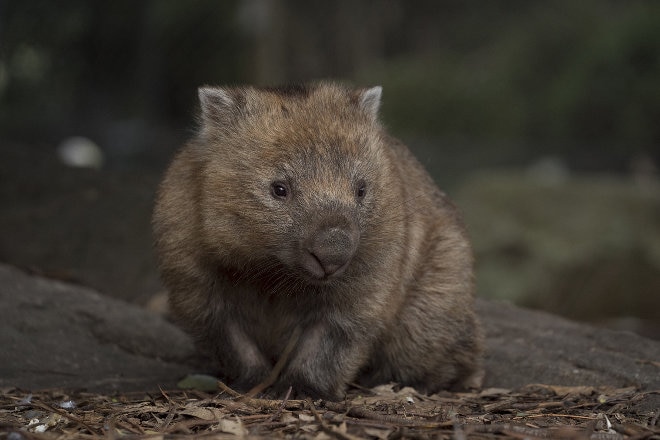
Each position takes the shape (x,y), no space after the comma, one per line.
(654,420)
(67,415)
(459,432)
(648,361)
(568,416)
(509,429)
(274,404)
(279,365)
(361,388)
(228,390)
(170,416)
(327,428)
(170,412)
(164,394)
(501,405)
(281,408)
(132,427)
(261,403)
(365,413)
(185,425)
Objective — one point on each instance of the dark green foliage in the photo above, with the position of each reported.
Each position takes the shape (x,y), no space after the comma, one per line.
(586,72)
(67,65)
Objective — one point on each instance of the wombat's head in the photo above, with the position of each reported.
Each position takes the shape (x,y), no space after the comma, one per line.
(293,178)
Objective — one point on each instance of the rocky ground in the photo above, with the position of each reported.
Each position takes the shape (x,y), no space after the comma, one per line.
(59,335)
(119,363)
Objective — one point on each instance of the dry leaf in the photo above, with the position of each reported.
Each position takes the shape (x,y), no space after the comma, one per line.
(383,390)
(381,434)
(488,392)
(203,413)
(407,391)
(232,427)
(288,418)
(535,411)
(306,417)
(565,391)
(309,427)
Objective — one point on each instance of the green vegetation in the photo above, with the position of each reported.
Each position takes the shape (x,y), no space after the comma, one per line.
(526,71)
(582,74)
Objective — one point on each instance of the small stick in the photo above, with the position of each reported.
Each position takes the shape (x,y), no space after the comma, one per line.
(260,403)
(327,428)
(361,388)
(654,420)
(568,416)
(65,414)
(226,389)
(281,408)
(132,427)
(364,413)
(170,416)
(279,366)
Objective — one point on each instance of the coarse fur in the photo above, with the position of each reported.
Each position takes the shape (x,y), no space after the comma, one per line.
(294,209)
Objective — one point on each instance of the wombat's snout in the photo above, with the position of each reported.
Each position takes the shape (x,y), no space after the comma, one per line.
(329,250)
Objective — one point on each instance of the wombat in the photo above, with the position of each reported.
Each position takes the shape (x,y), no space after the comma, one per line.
(293,212)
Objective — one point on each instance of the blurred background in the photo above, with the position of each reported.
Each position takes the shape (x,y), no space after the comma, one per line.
(541,119)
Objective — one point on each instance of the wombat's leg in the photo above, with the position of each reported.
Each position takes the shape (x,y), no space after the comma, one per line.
(325,360)
(429,348)
(240,359)
(436,340)
(199,307)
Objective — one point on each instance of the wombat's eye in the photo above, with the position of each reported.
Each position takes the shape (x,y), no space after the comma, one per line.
(361,190)
(279,190)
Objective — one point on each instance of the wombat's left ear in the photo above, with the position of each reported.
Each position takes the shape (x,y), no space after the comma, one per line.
(217,103)
(369,101)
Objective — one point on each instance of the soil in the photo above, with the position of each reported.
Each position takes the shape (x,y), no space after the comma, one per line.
(535,411)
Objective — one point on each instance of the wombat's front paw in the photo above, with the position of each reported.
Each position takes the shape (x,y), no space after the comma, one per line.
(248,380)
(301,389)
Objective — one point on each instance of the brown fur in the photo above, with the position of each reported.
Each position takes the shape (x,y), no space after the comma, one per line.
(356,247)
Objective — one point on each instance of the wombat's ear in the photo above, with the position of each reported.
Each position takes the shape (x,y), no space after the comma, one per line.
(369,101)
(218,104)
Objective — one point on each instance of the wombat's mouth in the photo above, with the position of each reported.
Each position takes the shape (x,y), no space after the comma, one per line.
(322,270)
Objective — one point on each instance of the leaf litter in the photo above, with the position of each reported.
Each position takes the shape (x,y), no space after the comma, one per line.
(384,412)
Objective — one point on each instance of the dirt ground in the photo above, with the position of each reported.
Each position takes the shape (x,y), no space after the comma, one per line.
(532,412)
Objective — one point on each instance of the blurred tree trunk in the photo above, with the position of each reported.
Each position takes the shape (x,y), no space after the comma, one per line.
(303,40)
(265,22)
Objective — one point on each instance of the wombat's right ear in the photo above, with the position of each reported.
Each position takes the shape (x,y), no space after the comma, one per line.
(369,100)
(218,104)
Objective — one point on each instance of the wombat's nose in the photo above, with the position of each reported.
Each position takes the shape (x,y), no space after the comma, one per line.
(330,251)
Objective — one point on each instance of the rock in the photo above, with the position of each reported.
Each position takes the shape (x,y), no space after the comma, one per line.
(59,335)
(526,347)
(55,334)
